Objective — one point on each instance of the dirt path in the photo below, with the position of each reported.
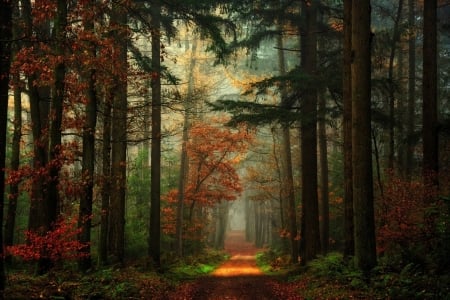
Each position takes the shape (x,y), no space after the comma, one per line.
(239,278)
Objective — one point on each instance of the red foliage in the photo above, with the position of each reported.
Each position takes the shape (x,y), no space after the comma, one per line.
(403,214)
(58,244)
(214,152)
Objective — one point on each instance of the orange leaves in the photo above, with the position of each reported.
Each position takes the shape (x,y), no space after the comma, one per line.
(214,152)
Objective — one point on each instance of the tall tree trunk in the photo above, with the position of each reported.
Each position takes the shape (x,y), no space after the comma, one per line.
(56,107)
(5,62)
(155,194)
(119,138)
(106,181)
(364,231)
(323,154)
(88,162)
(51,203)
(287,178)
(39,111)
(184,166)
(10,221)
(429,90)
(411,88)
(310,231)
(394,41)
(349,243)
(282,203)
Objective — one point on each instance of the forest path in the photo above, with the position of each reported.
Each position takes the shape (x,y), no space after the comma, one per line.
(239,278)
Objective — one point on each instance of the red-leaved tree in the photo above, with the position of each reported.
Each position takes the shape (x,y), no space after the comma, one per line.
(214,152)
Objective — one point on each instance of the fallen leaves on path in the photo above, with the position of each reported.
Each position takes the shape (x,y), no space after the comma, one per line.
(239,278)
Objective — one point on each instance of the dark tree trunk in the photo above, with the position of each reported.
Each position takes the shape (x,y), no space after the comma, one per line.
(5,63)
(394,41)
(310,231)
(324,202)
(349,243)
(364,231)
(56,108)
(287,177)
(155,194)
(88,163)
(429,90)
(39,111)
(119,139)
(411,89)
(106,182)
(10,221)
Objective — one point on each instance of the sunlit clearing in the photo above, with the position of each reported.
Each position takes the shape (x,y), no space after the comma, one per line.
(237,271)
(242,257)
(238,265)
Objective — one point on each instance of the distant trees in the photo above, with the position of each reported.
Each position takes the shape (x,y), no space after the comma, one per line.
(212,181)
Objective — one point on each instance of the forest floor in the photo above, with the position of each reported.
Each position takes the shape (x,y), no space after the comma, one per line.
(237,278)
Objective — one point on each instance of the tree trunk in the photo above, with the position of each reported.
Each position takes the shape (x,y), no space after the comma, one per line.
(56,108)
(310,231)
(429,90)
(51,202)
(39,111)
(221,224)
(88,163)
(155,195)
(184,166)
(364,231)
(106,182)
(282,203)
(411,89)
(349,243)
(323,154)
(394,41)
(5,63)
(287,182)
(119,139)
(10,221)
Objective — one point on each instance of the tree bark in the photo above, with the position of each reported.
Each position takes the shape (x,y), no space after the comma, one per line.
(106,182)
(184,166)
(287,178)
(155,195)
(349,243)
(324,201)
(411,88)
(10,221)
(119,138)
(310,231)
(39,112)
(56,108)
(5,63)
(88,162)
(429,90)
(364,230)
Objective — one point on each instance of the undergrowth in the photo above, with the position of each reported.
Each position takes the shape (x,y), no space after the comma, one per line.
(133,281)
(333,277)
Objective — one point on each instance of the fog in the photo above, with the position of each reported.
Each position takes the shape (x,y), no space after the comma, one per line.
(236,215)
